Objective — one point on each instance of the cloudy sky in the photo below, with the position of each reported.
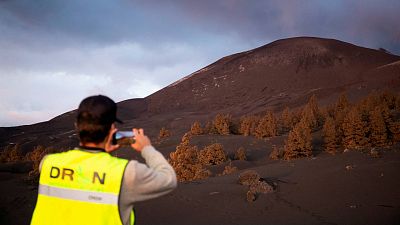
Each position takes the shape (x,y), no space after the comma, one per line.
(53,53)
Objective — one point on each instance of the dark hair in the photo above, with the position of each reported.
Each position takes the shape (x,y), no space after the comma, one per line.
(94,118)
(95,133)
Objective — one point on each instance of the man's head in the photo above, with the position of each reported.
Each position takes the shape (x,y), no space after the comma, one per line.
(95,116)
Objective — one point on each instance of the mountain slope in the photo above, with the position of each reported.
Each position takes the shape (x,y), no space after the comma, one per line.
(283,73)
(274,73)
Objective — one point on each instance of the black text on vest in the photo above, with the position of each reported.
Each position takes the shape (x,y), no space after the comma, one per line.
(96,175)
(56,172)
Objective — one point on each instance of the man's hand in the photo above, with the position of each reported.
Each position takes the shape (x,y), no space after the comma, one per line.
(141,140)
(109,147)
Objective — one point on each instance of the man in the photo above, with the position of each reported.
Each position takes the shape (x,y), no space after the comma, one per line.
(87,185)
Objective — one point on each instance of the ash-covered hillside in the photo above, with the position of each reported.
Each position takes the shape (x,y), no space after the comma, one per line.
(283,73)
(276,74)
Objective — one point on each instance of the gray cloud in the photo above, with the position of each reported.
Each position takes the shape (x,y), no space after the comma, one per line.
(370,23)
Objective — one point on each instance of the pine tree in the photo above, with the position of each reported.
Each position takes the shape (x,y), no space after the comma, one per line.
(209,128)
(397,104)
(342,103)
(388,98)
(310,117)
(378,132)
(330,137)
(324,114)
(354,130)
(311,113)
(368,104)
(285,120)
(267,126)
(313,104)
(296,116)
(222,123)
(340,110)
(248,125)
(298,143)
(394,128)
(389,123)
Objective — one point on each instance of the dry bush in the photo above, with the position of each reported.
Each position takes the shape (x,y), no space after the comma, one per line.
(196,129)
(248,125)
(261,187)
(229,169)
(36,156)
(185,161)
(190,172)
(256,186)
(276,153)
(250,196)
(248,177)
(240,154)
(11,153)
(374,153)
(213,154)
(222,123)
(164,133)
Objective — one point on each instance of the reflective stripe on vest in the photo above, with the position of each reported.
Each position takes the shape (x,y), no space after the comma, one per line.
(79,187)
(79,195)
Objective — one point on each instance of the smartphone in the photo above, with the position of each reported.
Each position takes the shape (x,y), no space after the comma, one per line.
(123,138)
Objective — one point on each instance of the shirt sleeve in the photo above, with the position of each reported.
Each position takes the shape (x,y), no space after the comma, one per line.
(147,181)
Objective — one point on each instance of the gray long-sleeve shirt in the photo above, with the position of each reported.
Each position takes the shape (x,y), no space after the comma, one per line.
(144,181)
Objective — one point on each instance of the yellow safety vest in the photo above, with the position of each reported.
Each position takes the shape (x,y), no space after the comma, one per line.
(79,187)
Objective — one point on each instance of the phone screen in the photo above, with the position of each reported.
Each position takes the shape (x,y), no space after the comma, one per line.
(120,135)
